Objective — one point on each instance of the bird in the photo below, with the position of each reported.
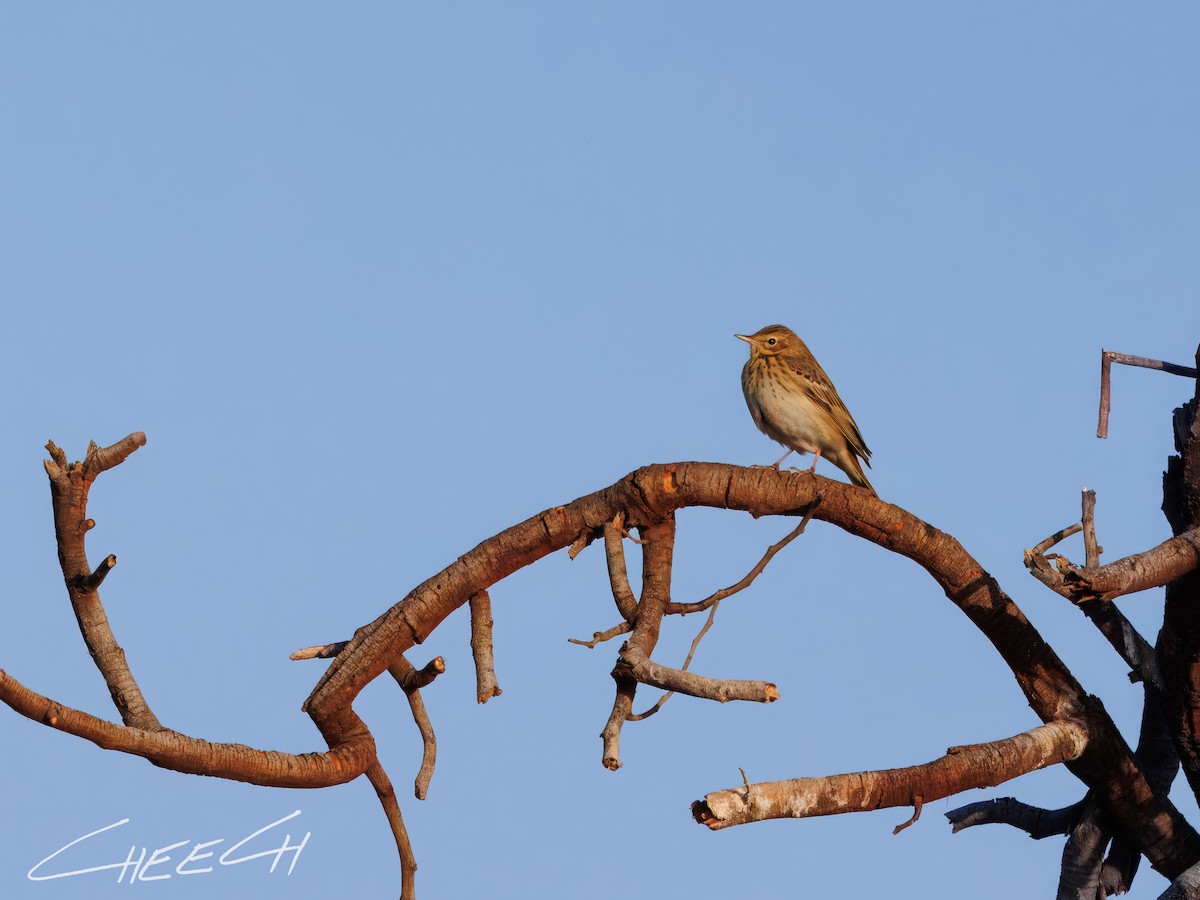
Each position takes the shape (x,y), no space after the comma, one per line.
(793,402)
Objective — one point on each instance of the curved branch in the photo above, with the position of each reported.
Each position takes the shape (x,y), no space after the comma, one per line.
(172,750)
(648,494)
(682,609)
(411,680)
(391,808)
(599,637)
(1038,823)
(962,768)
(618,572)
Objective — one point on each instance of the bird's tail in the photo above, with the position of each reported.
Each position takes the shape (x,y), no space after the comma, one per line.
(855,471)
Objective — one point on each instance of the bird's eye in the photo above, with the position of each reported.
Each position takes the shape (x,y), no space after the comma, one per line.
(770,342)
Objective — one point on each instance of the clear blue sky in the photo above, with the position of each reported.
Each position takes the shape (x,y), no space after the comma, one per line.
(379,280)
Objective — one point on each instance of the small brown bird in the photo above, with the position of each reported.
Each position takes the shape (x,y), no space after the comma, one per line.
(792,401)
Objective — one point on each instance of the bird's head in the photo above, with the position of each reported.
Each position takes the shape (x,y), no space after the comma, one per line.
(771,340)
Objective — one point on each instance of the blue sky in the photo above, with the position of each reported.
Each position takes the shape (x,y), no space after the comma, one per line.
(378,281)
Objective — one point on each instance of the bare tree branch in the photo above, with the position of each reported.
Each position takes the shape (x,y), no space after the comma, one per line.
(1117,629)
(1036,822)
(610,756)
(321,651)
(1172,559)
(599,637)
(962,768)
(723,691)
(633,663)
(658,704)
(1107,358)
(658,549)
(391,808)
(918,805)
(192,756)
(683,609)
(411,681)
(618,573)
(648,494)
(1091,549)
(481,648)
(69,487)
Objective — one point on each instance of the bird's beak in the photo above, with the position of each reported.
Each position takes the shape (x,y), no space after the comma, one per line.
(743,337)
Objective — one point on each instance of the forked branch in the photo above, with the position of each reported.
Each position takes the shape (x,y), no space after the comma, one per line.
(142,734)
(1116,628)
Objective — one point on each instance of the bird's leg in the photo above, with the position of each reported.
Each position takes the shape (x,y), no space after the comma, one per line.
(813,467)
(782,458)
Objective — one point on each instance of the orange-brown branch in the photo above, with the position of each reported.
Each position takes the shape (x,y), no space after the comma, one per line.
(172,750)
(69,487)
(646,496)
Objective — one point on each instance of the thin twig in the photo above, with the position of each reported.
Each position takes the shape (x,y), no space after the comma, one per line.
(682,609)
(1061,535)
(917,804)
(629,536)
(713,601)
(599,637)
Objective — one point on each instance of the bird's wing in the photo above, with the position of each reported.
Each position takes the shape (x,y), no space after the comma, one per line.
(822,391)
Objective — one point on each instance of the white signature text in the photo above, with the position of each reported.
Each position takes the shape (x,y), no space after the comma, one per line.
(144,864)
